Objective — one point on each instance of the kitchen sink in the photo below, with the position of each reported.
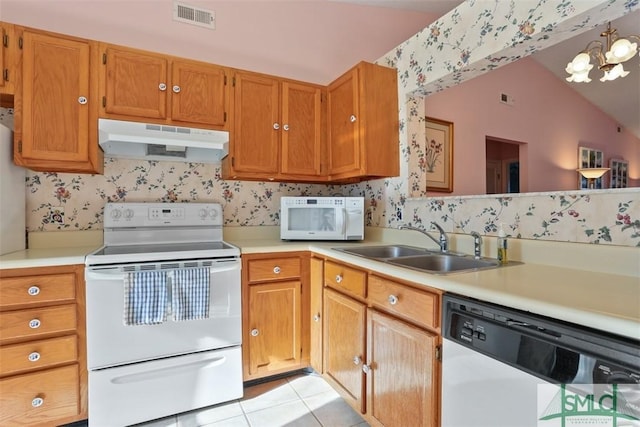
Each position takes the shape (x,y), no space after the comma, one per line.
(444,263)
(386,251)
(428,261)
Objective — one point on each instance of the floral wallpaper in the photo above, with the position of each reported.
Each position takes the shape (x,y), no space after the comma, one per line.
(449,51)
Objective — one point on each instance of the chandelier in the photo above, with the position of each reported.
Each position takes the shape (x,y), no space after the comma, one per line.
(618,50)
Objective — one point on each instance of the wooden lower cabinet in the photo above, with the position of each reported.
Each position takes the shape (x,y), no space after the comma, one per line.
(402,379)
(344,345)
(274,322)
(381,341)
(275,292)
(43,364)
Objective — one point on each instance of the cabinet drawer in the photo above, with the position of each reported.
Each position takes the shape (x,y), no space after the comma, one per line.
(27,290)
(261,270)
(38,354)
(36,322)
(419,306)
(345,278)
(39,398)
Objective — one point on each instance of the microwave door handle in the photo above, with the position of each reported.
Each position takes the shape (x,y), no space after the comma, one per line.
(344,221)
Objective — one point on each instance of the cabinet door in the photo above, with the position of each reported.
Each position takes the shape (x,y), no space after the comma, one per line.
(256,140)
(344,133)
(301,130)
(275,327)
(402,384)
(344,345)
(7,50)
(54,125)
(135,83)
(316,314)
(198,93)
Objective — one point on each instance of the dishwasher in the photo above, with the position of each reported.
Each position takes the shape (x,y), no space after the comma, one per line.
(503,367)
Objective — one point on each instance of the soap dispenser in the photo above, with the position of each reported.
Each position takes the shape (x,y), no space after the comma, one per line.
(502,245)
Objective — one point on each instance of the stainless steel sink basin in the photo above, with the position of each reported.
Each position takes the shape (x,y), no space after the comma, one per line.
(444,263)
(386,251)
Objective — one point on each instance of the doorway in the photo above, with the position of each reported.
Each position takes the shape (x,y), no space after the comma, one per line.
(502,166)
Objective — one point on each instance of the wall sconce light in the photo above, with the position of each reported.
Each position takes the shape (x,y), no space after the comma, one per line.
(591,174)
(609,56)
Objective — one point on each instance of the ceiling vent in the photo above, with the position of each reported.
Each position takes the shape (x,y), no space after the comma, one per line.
(193,15)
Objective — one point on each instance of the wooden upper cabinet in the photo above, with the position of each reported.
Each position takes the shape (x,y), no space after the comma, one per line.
(363,123)
(198,93)
(8,59)
(301,130)
(277,130)
(145,86)
(135,82)
(56,120)
(256,138)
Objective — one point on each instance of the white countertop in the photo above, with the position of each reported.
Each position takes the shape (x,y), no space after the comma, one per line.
(602,300)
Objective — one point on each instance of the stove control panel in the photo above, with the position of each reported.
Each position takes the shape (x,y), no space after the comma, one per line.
(118,215)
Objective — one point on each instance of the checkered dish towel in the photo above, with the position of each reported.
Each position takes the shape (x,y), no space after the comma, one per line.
(145,298)
(190,294)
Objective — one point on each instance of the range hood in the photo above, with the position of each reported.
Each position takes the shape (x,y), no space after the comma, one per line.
(132,140)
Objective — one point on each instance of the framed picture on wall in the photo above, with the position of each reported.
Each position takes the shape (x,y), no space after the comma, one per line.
(589,158)
(619,173)
(438,155)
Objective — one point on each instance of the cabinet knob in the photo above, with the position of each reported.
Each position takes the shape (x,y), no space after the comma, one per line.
(393,300)
(357,360)
(338,278)
(176,89)
(34,357)
(162,87)
(352,119)
(316,318)
(37,402)
(34,323)
(276,269)
(276,126)
(255,332)
(366,369)
(285,127)
(82,100)
(33,290)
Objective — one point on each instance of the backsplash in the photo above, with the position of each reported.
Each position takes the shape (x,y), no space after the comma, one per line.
(598,217)
(604,217)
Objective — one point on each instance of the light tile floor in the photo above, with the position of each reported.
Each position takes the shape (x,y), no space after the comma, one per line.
(304,400)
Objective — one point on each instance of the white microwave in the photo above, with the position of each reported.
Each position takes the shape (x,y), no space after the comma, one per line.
(322,218)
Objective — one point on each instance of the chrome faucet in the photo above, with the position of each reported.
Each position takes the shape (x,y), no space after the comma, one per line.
(477,244)
(442,241)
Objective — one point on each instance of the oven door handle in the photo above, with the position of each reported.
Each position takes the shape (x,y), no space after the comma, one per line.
(116,273)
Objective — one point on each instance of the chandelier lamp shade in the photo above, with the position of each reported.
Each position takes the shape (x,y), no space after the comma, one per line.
(609,56)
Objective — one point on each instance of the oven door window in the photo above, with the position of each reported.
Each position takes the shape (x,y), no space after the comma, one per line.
(316,219)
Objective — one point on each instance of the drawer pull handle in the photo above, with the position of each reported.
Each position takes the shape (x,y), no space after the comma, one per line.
(82,100)
(393,300)
(37,402)
(34,323)
(357,360)
(176,89)
(255,332)
(316,318)
(276,270)
(352,118)
(33,290)
(34,357)
(338,278)
(162,87)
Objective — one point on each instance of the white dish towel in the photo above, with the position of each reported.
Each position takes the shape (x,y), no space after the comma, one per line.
(190,294)
(145,298)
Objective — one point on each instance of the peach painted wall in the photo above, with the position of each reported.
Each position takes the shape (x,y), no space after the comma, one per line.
(548,116)
(309,40)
